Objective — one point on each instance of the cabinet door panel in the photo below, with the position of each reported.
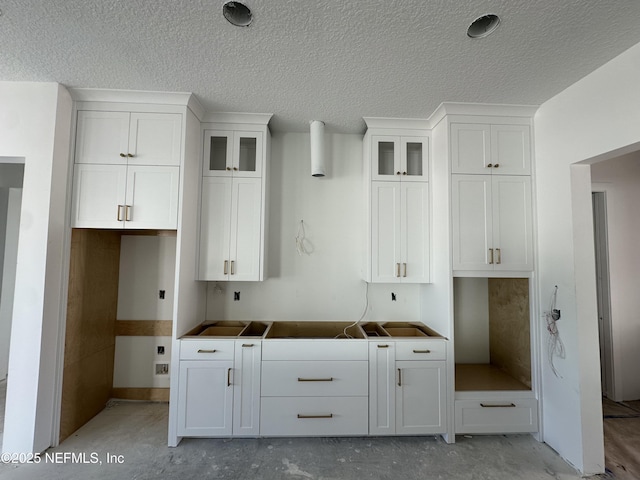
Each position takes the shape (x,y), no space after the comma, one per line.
(420,402)
(218,152)
(470,148)
(246,229)
(385,232)
(511,149)
(246,388)
(155,139)
(205,399)
(247,154)
(215,224)
(98,192)
(385,158)
(382,388)
(415,233)
(472,233)
(152,197)
(512,223)
(414,161)
(101,137)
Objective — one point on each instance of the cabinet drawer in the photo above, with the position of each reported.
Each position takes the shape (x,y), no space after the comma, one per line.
(309,416)
(496,416)
(421,350)
(206,349)
(314,378)
(315,349)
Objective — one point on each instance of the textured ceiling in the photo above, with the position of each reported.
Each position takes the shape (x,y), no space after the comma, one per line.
(329,60)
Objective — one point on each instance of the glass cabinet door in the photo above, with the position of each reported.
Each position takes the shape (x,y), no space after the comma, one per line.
(385,158)
(414,163)
(218,152)
(247,157)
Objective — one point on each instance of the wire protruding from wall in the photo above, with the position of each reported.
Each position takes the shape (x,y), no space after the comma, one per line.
(555,347)
(303,246)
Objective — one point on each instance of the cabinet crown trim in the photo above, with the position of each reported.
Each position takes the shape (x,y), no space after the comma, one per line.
(401,123)
(237,117)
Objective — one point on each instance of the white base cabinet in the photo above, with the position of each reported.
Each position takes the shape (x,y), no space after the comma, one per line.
(407,393)
(496,412)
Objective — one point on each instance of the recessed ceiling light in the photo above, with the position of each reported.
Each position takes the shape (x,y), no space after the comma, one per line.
(483,26)
(237,14)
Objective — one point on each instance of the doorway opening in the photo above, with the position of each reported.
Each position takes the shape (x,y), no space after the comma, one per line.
(11,179)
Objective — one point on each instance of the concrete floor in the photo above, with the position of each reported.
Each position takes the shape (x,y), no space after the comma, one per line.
(137,432)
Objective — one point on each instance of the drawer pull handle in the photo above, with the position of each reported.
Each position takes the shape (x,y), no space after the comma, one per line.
(245,345)
(206,351)
(228,377)
(399,377)
(504,405)
(422,351)
(330,379)
(383,346)
(329,415)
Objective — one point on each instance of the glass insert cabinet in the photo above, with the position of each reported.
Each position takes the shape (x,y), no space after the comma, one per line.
(399,158)
(232,153)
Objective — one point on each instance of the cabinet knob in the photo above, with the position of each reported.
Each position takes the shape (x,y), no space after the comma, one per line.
(490,165)
(397,173)
(130,155)
(123,155)
(236,168)
(496,165)
(404,173)
(228,169)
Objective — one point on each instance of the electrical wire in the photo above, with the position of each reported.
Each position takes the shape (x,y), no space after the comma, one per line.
(301,240)
(364,313)
(555,347)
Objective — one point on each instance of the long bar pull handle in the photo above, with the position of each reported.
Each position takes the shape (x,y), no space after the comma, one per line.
(329,415)
(399,377)
(397,269)
(226,267)
(228,377)
(490,256)
(207,351)
(233,267)
(246,345)
(120,212)
(330,379)
(405,269)
(499,256)
(383,346)
(504,405)
(422,351)
(127,215)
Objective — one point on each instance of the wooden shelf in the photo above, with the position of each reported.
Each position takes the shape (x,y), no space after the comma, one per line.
(483,377)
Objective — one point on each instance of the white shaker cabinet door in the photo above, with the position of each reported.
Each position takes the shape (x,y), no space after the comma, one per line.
(152,197)
(246,388)
(246,230)
(512,223)
(472,222)
(385,232)
(470,148)
(205,398)
(511,149)
(382,388)
(420,397)
(414,233)
(99,196)
(215,227)
(102,137)
(155,139)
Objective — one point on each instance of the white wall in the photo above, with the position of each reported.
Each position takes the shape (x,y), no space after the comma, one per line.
(621,179)
(147,265)
(595,118)
(11,174)
(35,122)
(471,317)
(327,284)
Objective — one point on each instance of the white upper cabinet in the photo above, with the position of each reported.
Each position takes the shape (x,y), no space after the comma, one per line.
(399,158)
(112,138)
(230,153)
(490,149)
(492,224)
(127,170)
(396,157)
(233,204)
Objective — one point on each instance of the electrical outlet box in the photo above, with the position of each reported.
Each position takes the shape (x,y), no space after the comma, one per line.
(160,350)
(162,368)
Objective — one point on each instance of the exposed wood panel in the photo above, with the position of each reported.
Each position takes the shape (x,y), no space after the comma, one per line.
(90,326)
(148,394)
(145,328)
(509,327)
(483,377)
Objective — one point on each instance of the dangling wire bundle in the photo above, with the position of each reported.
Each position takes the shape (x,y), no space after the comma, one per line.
(555,346)
(301,241)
